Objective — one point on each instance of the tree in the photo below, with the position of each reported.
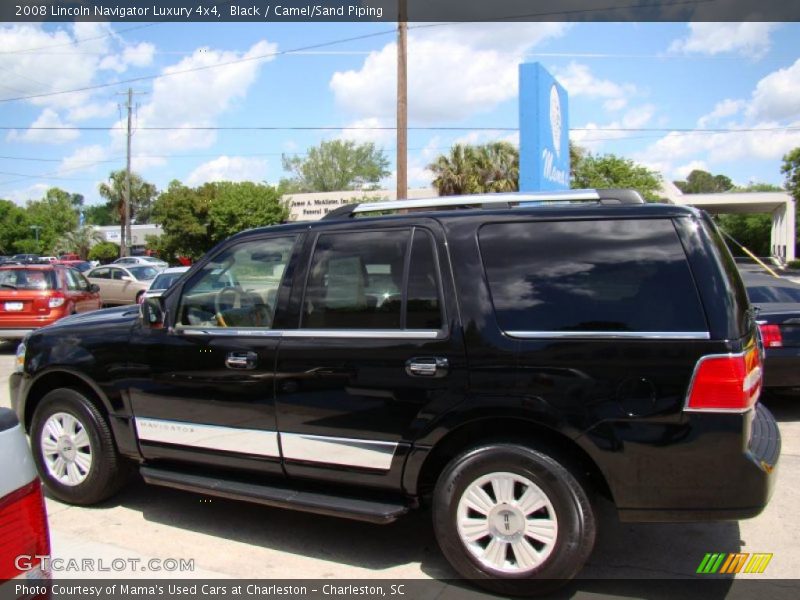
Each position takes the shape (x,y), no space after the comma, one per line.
(492,167)
(55,215)
(104,252)
(703,182)
(791,170)
(195,219)
(142,195)
(611,171)
(79,241)
(13,227)
(99,214)
(336,165)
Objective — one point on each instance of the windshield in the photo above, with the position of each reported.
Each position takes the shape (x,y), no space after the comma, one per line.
(143,273)
(165,281)
(27,279)
(151,259)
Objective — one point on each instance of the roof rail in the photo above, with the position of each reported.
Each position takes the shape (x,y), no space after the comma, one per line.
(504,200)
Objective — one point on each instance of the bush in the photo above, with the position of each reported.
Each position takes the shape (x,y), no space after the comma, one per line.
(793,264)
(104,252)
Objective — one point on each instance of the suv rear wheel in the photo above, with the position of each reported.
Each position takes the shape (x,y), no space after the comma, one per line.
(512,519)
(74,449)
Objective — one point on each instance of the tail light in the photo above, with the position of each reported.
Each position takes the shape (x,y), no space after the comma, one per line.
(23,531)
(730,382)
(771,335)
(56,300)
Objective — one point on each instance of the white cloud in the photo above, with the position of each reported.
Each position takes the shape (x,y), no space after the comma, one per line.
(453,72)
(726,108)
(140,55)
(750,39)
(83,159)
(715,148)
(594,135)
(777,96)
(92,110)
(193,99)
(682,172)
(228,168)
(580,81)
(21,196)
(369,130)
(48,118)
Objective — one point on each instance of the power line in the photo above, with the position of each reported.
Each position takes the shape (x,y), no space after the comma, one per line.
(77,41)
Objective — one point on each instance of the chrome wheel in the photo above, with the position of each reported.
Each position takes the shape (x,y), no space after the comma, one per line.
(66,449)
(507,522)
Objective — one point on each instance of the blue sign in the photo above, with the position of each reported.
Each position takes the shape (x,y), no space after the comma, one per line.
(543,131)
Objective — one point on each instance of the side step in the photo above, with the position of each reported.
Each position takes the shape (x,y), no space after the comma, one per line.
(359,509)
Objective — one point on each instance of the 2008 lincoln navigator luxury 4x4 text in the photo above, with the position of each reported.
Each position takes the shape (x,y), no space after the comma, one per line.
(501,359)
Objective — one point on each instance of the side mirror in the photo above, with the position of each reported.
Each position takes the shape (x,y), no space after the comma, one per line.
(94,288)
(152,313)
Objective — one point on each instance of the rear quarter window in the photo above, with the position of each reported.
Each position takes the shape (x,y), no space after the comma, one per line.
(593,276)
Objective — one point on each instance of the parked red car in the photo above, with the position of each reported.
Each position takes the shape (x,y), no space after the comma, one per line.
(32,296)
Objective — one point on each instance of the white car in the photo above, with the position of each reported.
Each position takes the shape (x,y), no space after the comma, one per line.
(163,281)
(134,261)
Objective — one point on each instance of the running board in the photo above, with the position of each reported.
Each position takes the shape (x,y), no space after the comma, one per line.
(359,509)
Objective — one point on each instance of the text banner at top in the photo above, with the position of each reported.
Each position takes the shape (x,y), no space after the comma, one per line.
(253,11)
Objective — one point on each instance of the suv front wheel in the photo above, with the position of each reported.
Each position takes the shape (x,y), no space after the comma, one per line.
(74,449)
(512,519)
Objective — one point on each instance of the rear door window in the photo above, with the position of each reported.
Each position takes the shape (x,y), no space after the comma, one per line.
(590,276)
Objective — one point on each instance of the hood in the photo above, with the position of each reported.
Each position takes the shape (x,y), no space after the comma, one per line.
(106,316)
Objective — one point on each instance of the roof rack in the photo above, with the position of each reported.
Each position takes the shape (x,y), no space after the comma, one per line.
(499,200)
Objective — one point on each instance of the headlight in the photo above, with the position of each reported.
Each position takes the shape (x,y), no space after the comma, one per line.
(19,362)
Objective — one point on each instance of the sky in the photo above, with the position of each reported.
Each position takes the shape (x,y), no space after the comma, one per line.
(639,90)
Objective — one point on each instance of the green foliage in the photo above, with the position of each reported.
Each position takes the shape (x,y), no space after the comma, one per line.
(758,187)
(492,167)
(55,215)
(793,264)
(104,252)
(13,227)
(335,165)
(751,231)
(27,246)
(142,195)
(791,171)
(79,241)
(703,182)
(611,171)
(195,219)
(99,214)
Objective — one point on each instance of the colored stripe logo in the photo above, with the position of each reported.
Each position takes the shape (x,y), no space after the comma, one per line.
(730,563)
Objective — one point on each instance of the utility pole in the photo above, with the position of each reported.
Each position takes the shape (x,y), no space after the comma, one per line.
(125,227)
(402,102)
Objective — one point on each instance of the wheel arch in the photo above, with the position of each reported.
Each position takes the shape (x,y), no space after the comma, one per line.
(421,479)
(54,379)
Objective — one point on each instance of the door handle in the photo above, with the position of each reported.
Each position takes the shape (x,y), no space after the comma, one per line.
(241,360)
(428,366)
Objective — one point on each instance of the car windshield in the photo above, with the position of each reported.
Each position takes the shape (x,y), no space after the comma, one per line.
(27,279)
(151,259)
(164,281)
(143,273)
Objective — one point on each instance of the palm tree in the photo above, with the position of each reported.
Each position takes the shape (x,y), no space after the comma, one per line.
(492,167)
(79,241)
(142,194)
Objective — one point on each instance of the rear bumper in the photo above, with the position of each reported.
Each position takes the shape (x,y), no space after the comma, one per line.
(782,368)
(710,467)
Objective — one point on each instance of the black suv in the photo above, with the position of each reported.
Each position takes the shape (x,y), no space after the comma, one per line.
(499,358)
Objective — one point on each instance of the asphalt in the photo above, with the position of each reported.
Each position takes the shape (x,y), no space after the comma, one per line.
(228,539)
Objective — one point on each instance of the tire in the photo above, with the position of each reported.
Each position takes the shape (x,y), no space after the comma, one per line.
(555,509)
(66,426)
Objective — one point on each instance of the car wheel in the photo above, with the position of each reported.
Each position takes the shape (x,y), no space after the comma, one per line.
(74,449)
(512,519)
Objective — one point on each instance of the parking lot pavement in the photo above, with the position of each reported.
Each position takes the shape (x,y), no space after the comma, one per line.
(234,539)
